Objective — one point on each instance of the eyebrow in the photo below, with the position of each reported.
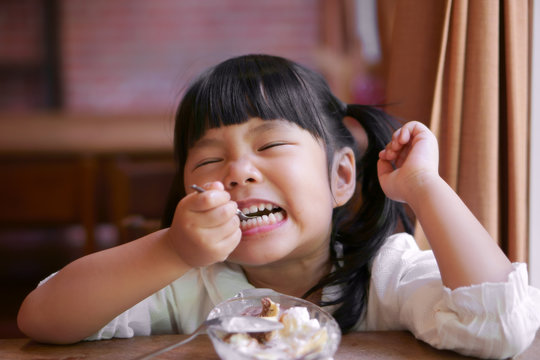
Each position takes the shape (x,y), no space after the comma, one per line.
(207,142)
(269,125)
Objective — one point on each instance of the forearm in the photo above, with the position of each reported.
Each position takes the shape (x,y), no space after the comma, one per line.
(91,291)
(465,252)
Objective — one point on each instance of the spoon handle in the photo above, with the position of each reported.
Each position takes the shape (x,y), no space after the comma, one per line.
(201,329)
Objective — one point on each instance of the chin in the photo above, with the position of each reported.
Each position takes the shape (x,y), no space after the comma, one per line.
(250,257)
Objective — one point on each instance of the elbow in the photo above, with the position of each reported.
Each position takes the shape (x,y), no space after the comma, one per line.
(506,343)
(517,333)
(38,327)
(513,344)
(43,333)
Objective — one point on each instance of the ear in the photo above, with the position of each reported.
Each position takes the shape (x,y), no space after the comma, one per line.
(343,176)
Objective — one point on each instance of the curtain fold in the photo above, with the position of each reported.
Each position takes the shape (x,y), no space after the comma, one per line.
(461,67)
(517,71)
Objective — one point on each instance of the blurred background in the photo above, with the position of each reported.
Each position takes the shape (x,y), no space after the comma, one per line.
(88,91)
(136,56)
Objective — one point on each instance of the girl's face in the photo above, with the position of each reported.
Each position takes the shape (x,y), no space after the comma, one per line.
(272,165)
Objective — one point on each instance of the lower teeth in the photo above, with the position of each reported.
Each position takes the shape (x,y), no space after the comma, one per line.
(262,220)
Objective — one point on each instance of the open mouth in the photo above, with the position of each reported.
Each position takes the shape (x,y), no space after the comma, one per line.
(263,214)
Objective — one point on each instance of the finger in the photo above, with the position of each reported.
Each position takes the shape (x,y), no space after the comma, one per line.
(402,156)
(214,185)
(404,135)
(392,149)
(383,154)
(387,155)
(396,134)
(229,230)
(209,237)
(208,200)
(415,128)
(227,244)
(224,215)
(215,237)
(400,138)
(214,247)
(384,167)
(220,216)
(395,145)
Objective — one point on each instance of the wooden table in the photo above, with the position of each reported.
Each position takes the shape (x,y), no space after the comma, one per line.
(363,345)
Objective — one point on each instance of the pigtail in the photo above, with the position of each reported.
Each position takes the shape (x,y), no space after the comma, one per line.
(361,227)
(379,127)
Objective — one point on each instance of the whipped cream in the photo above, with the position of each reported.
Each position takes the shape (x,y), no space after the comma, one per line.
(300,336)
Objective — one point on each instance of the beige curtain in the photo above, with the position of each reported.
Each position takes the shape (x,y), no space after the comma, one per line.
(462,67)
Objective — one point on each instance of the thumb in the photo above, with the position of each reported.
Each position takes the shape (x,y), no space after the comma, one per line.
(214,185)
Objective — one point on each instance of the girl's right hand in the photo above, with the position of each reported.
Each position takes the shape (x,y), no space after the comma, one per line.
(205,228)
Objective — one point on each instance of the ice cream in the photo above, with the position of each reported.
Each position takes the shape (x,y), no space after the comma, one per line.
(301,335)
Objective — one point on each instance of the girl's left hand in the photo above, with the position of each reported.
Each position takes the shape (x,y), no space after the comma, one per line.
(410,159)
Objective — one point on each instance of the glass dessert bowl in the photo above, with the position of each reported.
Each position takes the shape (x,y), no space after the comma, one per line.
(309,332)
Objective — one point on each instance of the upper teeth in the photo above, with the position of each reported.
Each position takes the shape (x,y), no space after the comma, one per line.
(254,208)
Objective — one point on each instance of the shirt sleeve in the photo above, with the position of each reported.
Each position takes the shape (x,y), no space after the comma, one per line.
(153,315)
(489,320)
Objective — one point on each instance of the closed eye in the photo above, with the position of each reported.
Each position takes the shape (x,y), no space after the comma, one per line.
(271,145)
(206,162)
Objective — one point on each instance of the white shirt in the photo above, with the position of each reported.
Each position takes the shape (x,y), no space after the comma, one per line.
(491,320)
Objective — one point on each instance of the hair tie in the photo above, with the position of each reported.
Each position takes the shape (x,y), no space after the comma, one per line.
(346,110)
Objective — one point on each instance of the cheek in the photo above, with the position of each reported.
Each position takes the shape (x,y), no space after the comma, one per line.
(312,190)
(316,207)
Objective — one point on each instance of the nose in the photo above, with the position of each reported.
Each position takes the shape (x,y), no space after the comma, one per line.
(241,172)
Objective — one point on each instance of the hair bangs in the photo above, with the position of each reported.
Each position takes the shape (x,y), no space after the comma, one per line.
(262,87)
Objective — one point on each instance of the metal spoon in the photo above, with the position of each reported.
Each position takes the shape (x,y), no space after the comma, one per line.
(240,214)
(230,324)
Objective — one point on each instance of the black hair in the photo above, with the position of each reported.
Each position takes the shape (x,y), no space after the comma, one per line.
(271,87)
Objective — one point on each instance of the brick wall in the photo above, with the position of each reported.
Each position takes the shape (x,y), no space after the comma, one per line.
(20,29)
(136,55)
(20,53)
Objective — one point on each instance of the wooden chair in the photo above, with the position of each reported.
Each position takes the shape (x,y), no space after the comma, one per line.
(138,192)
(53,192)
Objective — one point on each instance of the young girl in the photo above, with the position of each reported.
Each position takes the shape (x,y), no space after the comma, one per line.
(266,135)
